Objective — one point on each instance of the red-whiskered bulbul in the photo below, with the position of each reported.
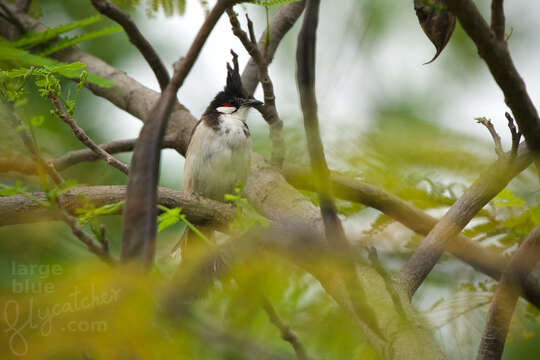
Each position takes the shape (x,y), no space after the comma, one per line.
(219,152)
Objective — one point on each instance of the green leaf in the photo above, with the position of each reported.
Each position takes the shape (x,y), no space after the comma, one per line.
(16,56)
(88,213)
(31,40)
(168,218)
(67,42)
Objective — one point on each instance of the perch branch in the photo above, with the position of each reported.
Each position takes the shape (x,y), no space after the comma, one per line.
(136,38)
(18,209)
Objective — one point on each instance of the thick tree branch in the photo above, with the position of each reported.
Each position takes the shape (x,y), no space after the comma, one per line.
(268,110)
(495,53)
(81,135)
(18,209)
(136,37)
(487,186)
(506,296)
(497,19)
(140,213)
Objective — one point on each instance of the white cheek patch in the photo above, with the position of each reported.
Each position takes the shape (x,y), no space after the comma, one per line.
(226,109)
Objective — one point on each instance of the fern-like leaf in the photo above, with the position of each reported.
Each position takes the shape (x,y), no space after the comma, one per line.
(67,42)
(12,57)
(32,40)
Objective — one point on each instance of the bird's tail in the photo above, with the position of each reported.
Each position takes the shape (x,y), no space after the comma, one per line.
(191,249)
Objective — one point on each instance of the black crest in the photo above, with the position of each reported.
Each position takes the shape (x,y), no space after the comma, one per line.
(232,91)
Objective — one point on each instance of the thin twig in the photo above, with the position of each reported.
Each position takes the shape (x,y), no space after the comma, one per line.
(286,333)
(102,238)
(497,19)
(268,110)
(496,138)
(136,38)
(81,135)
(516,136)
(506,296)
(101,251)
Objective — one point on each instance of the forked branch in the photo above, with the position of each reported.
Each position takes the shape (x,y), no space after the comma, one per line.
(268,110)
(85,139)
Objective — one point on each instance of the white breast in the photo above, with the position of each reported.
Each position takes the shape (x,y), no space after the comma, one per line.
(217,160)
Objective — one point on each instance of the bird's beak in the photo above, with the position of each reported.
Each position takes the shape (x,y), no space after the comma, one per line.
(251,102)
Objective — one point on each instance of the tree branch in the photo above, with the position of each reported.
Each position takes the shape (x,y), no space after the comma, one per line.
(494,135)
(280,25)
(136,38)
(487,262)
(516,136)
(487,186)
(305,77)
(497,19)
(18,209)
(140,214)
(495,53)
(268,110)
(81,135)
(506,296)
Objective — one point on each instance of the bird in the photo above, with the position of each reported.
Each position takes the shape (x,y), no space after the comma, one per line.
(218,156)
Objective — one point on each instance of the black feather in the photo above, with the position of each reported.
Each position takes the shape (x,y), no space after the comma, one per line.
(233,90)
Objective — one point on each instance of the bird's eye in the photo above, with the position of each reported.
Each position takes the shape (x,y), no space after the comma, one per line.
(227,104)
